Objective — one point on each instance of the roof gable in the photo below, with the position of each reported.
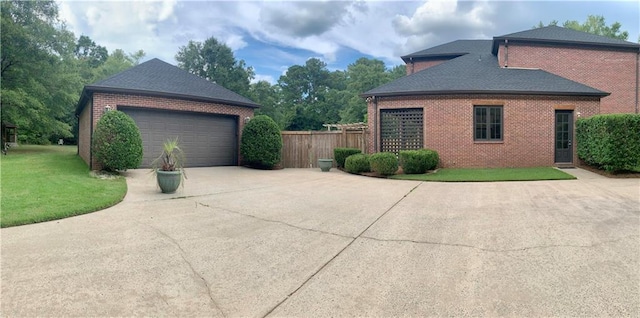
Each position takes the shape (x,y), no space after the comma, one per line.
(559,35)
(480,74)
(158,78)
(451,50)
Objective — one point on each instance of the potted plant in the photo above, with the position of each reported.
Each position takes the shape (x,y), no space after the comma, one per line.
(169,166)
(325,164)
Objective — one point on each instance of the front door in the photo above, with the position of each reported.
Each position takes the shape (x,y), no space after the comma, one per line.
(564,136)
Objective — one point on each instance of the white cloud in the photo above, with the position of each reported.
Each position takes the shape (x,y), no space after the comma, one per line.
(130,25)
(443,20)
(267,78)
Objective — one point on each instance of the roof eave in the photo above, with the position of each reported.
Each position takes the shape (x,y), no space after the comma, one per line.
(498,40)
(491,92)
(408,58)
(98,89)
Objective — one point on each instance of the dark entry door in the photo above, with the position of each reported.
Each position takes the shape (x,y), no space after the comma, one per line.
(564,136)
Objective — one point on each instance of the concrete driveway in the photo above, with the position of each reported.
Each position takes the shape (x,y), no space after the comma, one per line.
(298,242)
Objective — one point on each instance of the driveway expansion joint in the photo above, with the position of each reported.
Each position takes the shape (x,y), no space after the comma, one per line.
(276,221)
(340,252)
(499,250)
(194,272)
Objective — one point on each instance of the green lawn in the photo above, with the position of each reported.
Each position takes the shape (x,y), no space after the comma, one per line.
(496,174)
(42,183)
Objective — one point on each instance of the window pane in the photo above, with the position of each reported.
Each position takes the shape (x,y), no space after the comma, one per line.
(487,123)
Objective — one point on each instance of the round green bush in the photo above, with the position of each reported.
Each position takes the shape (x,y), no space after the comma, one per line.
(261,143)
(357,163)
(418,161)
(117,144)
(341,154)
(384,163)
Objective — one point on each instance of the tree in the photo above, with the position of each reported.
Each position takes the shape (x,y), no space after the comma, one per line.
(363,75)
(39,78)
(268,96)
(87,50)
(304,91)
(594,24)
(215,62)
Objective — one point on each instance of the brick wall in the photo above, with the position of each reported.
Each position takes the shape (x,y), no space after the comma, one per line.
(84,133)
(421,65)
(607,70)
(528,127)
(102,100)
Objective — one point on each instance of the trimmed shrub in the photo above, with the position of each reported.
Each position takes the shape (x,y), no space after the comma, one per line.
(418,161)
(261,143)
(357,163)
(384,163)
(117,144)
(611,142)
(341,154)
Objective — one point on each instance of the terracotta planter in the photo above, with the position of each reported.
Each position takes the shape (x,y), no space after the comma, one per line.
(325,164)
(169,181)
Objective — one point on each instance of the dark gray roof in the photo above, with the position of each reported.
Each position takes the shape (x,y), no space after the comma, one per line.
(452,49)
(480,74)
(559,35)
(158,78)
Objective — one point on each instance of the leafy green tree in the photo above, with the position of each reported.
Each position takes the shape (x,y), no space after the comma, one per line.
(39,78)
(363,75)
(595,24)
(304,89)
(87,50)
(215,62)
(268,96)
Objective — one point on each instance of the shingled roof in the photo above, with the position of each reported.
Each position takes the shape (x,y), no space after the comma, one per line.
(558,35)
(161,79)
(451,49)
(480,74)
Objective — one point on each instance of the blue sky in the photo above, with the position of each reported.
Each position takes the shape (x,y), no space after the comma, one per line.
(273,35)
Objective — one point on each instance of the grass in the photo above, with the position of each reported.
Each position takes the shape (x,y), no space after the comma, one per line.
(43,183)
(489,175)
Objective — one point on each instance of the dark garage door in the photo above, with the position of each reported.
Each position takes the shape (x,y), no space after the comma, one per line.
(207,140)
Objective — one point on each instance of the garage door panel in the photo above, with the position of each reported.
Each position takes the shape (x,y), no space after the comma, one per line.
(207,140)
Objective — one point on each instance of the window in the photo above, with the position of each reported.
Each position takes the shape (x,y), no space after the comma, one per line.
(487,123)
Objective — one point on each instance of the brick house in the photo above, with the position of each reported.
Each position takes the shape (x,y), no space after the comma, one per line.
(507,102)
(167,102)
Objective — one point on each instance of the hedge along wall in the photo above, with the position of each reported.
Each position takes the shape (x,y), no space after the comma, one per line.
(611,142)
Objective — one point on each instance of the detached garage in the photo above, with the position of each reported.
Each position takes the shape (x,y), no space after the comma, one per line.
(168,102)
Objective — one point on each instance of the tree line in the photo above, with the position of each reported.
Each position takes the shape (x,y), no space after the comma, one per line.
(304,98)
(44,67)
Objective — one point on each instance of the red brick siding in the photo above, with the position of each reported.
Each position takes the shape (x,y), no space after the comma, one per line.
(421,65)
(528,128)
(607,70)
(102,100)
(84,133)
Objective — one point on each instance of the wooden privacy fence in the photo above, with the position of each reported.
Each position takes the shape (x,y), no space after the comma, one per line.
(302,149)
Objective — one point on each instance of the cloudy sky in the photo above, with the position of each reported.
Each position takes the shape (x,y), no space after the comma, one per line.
(271,36)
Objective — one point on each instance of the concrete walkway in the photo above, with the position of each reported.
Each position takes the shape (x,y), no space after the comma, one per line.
(237,242)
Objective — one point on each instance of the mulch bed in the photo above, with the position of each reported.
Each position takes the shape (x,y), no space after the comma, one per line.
(617,174)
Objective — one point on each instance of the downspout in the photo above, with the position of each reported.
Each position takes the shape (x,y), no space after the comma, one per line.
(506,53)
(375,124)
(637,78)
(78,141)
